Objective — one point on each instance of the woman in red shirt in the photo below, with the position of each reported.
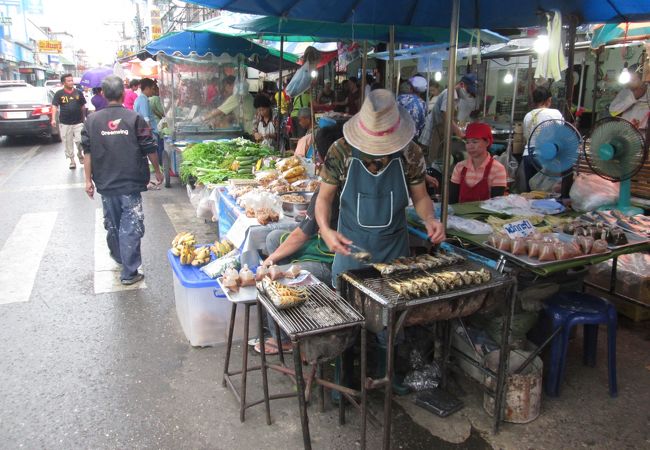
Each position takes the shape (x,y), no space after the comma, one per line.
(480,176)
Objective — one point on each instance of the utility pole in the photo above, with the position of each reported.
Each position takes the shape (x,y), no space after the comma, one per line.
(138,25)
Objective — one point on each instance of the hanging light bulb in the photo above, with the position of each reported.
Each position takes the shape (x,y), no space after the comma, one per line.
(314,74)
(624,77)
(541,44)
(507,79)
(437,76)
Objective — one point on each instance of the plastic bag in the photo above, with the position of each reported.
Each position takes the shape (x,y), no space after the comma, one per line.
(300,81)
(541,182)
(469,226)
(204,207)
(589,192)
(195,194)
(425,376)
(217,267)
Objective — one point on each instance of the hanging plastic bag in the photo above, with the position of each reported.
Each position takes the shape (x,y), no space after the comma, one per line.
(589,192)
(302,78)
(300,81)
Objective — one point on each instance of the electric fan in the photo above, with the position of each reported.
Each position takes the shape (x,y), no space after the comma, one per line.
(617,153)
(554,146)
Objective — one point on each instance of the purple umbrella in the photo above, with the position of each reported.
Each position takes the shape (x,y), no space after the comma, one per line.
(94,77)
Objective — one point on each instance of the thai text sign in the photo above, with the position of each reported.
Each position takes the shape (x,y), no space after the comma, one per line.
(520,228)
(50,46)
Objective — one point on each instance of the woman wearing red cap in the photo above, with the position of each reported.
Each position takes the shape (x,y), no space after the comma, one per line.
(480,176)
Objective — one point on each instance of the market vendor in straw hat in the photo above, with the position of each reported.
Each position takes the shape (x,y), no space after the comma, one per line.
(373,170)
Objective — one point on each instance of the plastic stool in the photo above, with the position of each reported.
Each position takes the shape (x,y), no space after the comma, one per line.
(568,309)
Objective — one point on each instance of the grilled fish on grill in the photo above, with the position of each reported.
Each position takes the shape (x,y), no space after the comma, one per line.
(434,283)
(283,296)
(421,262)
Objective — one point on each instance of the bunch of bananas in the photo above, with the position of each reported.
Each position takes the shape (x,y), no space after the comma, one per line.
(221,248)
(181,240)
(201,256)
(188,253)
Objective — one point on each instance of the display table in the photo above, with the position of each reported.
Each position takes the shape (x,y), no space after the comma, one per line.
(245,233)
(472,210)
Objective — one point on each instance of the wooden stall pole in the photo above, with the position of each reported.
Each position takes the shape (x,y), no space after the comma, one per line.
(391,59)
(364,63)
(571,37)
(280,95)
(451,83)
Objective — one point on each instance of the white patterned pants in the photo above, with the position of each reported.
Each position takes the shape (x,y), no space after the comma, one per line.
(71,135)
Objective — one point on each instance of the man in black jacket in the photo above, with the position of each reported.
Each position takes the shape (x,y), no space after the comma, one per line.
(116,143)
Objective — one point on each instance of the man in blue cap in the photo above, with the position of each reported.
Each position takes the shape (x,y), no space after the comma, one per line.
(434,124)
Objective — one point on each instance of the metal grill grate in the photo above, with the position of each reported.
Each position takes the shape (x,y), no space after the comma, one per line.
(323,309)
(378,285)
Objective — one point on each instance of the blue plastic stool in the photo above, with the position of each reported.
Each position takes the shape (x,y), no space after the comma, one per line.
(568,309)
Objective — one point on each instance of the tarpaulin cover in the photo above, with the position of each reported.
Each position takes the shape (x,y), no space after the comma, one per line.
(319,31)
(187,43)
(490,14)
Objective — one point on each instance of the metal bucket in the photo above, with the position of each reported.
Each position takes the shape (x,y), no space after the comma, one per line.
(523,391)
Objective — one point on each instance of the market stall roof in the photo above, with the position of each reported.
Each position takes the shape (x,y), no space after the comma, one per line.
(327,31)
(189,43)
(491,14)
(611,33)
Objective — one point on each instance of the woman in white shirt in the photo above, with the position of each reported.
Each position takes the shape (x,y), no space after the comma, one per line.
(265,130)
(632,103)
(542,111)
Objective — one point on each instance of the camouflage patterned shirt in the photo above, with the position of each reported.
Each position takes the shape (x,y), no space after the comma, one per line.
(339,156)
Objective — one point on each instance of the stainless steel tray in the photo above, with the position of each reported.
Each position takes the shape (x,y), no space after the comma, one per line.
(531,262)
(632,239)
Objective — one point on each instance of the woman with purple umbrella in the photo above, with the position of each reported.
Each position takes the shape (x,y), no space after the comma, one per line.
(98,100)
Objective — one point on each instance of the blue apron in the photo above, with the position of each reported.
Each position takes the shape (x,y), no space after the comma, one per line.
(373,213)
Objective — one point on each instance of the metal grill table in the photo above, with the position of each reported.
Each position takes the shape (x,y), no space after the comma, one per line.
(383,308)
(324,326)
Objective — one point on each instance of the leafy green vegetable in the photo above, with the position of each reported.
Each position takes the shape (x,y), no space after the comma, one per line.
(210,162)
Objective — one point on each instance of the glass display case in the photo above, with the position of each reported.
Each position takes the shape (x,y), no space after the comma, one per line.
(205,98)
(193,88)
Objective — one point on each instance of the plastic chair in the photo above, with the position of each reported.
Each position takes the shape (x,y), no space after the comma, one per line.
(568,309)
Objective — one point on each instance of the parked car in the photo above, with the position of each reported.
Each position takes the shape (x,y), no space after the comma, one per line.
(54,85)
(14,83)
(27,112)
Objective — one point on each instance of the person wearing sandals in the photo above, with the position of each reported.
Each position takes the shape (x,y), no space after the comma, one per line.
(303,245)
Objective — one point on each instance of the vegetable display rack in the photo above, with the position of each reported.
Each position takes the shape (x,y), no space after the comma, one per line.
(384,308)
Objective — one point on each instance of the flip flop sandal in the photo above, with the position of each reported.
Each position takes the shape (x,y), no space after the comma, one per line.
(270,349)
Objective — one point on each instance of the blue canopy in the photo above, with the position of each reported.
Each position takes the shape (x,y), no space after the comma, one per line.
(491,14)
(187,43)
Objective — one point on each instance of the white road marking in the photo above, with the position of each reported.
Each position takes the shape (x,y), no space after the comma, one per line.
(107,271)
(46,187)
(21,256)
(26,157)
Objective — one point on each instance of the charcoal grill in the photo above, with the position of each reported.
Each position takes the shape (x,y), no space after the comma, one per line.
(383,308)
(324,326)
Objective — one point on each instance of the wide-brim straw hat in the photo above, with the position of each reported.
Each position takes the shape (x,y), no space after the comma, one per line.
(381,127)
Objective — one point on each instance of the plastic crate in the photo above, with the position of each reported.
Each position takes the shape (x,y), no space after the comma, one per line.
(203,309)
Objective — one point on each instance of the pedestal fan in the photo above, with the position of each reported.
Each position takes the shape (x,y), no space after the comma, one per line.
(617,153)
(554,146)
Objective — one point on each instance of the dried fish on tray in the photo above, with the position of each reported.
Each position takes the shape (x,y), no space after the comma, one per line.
(427,284)
(282,296)
(420,262)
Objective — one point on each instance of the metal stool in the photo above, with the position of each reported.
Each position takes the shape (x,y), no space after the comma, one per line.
(240,395)
(568,309)
(326,319)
